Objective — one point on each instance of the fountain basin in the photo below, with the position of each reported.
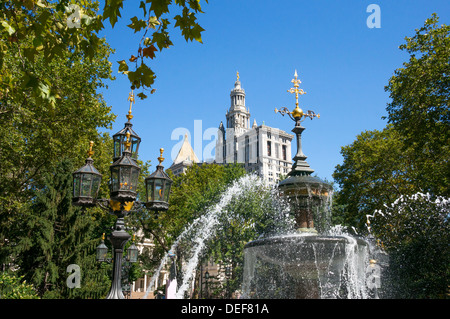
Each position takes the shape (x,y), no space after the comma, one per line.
(304,266)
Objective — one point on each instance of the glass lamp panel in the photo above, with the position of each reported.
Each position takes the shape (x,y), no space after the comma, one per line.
(158,189)
(76,185)
(96,185)
(117,146)
(125,177)
(134,148)
(86,183)
(167,191)
(115,186)
(134,178)
(150,190)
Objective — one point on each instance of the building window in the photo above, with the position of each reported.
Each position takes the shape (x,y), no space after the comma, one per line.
(247,150)
(277,150)
(269,135)
(269,148)
(283,148)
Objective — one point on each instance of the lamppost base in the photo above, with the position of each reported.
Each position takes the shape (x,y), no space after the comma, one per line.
(118,240)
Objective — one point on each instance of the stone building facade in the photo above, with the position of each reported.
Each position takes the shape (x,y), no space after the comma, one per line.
(261,148)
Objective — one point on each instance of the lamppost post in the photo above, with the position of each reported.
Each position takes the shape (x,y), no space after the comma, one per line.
(119,237)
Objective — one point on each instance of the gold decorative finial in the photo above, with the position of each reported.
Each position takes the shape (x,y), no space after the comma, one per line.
(103,236)
(134,237)
(161,158)
(296,89)
(131,99)
(237,75)
(297,114)
(128,142)
(90,152)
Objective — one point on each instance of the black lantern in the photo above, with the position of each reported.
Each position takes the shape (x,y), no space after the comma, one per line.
(120,138)
(158,188)
(86,182)
(102,250)
(124,176)
(132,252)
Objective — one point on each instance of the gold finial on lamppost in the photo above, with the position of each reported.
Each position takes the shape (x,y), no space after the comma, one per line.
(128,142)
(90,152)
(131,99)
(161,158)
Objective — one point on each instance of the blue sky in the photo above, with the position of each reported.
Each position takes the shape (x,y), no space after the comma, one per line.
(342,63)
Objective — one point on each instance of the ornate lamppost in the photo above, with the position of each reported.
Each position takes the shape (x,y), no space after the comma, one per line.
(305,192)
(123,193)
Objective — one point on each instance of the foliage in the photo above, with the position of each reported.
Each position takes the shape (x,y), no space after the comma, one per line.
(13,287)
(411,154)
(52,64)
(52,234)
(415,231)
(35,133)
(383,169)
(73,26)
(419,110)
(375,170)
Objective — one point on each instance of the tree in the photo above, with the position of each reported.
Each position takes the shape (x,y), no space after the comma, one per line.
(382,171)
(12,287)
(53,234)
(73,26)
(415,231)
(35,133)
(375,171)
(419,110)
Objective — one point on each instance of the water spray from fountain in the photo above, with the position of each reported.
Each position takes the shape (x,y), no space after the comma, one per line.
(206,226)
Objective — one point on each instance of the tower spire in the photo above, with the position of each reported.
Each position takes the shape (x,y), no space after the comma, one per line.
(238,116)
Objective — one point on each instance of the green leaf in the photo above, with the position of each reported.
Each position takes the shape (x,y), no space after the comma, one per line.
(111,10)
(8,28)
(123,67)
(153,22)
(162,40)
(142,5)
(137,24)
(160,6)
(142,96)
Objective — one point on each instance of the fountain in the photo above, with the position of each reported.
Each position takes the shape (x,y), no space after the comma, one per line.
(311,261)
(315,261)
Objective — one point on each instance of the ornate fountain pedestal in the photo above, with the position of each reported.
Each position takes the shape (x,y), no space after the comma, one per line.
(309,198)
(310,263)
